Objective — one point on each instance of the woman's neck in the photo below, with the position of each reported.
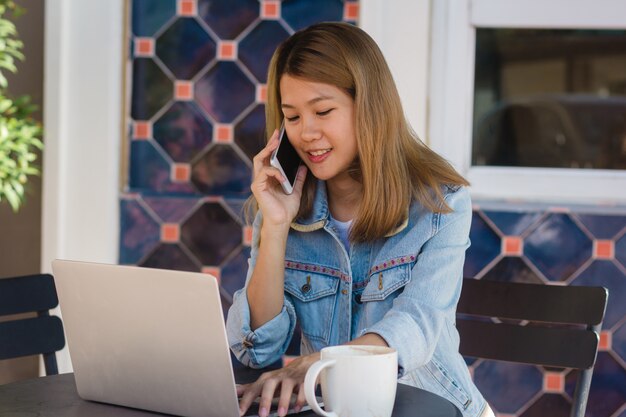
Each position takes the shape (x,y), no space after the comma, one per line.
(344,197)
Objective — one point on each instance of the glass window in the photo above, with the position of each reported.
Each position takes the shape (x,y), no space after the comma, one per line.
(550,98)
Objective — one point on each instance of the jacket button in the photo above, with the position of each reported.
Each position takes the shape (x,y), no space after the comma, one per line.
(344,292)
(307,287)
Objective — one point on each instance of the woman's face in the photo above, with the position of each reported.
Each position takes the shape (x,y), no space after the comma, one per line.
(319,120)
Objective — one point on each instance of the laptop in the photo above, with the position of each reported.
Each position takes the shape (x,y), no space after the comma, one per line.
(147,338)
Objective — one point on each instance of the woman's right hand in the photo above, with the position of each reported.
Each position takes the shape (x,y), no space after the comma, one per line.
(278,208)
(282,384)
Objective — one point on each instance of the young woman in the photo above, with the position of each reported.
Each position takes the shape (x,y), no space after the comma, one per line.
(369,247)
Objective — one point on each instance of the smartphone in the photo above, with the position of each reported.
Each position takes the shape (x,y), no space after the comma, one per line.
(286,160)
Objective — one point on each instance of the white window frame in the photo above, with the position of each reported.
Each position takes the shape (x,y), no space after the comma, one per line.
(454,24)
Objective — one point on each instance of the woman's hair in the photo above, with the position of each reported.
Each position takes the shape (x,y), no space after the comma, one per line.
(393,164)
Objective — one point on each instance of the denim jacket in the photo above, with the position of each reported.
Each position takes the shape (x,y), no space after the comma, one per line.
(408,284)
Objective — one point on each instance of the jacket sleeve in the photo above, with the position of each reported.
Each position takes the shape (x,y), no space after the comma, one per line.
(429,300)
(265,345)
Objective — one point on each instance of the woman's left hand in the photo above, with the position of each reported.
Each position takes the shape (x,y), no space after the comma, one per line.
(280,383)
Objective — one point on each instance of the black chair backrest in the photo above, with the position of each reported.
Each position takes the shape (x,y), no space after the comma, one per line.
(559,326)
(30,336)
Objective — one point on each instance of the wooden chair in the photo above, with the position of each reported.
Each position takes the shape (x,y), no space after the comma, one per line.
(559,326)
(30,336)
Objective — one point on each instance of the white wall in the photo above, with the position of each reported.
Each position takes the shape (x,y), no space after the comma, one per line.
(83,96)
(402,30)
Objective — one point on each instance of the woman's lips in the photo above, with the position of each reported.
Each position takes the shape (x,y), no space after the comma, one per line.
(319,155)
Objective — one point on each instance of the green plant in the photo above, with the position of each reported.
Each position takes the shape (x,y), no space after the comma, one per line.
(19,133)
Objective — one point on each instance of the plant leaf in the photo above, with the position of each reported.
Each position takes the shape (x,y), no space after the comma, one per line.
(12,197)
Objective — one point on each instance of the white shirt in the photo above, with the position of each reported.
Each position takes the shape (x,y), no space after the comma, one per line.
(343,230)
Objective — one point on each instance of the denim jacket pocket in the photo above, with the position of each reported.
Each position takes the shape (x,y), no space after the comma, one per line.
(383,282)
(314,301)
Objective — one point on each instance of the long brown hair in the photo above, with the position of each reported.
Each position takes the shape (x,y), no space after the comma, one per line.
(394,165)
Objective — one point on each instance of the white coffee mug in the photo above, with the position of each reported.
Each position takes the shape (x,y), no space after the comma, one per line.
(356,381)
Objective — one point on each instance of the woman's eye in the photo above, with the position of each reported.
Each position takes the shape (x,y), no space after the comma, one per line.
(324,113)
(291,119)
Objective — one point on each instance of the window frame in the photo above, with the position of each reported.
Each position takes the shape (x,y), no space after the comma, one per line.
(454,24)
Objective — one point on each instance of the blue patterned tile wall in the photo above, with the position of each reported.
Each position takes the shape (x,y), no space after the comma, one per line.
(197,71)
(196,118)
(563,246)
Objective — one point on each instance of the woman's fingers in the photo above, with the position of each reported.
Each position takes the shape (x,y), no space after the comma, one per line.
(262,158)
(266,388)
(286,390)
(288,378)
(267,394)
(300,177)
(261,167)
(261,180)
(300,399)
(250,392)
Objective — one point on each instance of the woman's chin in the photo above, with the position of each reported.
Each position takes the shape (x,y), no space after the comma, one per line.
(320,175)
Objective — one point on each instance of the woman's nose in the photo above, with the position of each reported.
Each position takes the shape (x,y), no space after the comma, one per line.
(310,130)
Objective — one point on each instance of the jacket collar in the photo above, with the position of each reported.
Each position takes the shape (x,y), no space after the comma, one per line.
(320,213)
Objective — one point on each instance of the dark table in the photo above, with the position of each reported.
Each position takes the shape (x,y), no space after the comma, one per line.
(56,396)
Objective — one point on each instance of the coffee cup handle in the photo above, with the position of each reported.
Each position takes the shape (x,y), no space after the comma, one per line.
(309,386)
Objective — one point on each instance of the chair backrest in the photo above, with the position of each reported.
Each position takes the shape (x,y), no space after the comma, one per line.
(555,326)
(42,334)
